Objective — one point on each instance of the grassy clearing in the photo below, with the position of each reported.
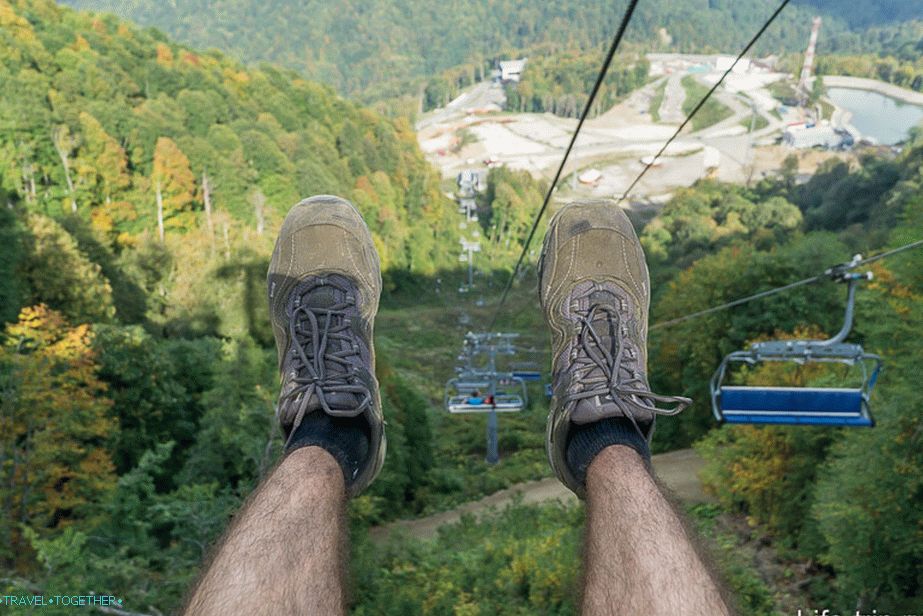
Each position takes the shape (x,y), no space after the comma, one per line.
(711,113)
(783,90)
(420,337)
(826,109)
(758,124)
(657,101)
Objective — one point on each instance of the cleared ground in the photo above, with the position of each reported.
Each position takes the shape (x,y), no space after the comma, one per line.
(616,142)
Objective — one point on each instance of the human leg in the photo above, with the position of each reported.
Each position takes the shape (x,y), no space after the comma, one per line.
(638,557)
(595,294)
(284,554)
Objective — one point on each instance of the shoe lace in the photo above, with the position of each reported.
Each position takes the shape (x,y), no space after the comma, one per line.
(612,372)
(323,344)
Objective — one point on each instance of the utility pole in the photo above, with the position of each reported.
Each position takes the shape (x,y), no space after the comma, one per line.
(493,451)
(493,343)
(470,248)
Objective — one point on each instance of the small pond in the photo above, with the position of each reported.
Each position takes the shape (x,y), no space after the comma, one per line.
(885,119)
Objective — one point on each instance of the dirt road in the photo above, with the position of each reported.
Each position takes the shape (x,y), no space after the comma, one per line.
(678,470)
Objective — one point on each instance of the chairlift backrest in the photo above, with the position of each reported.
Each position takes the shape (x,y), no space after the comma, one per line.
(801,405)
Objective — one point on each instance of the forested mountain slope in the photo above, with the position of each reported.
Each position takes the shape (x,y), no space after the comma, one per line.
(97,114)
(141,185)
(138,375)
(376,49)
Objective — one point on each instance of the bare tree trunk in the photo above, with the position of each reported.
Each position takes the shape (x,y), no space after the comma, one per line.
(259,202)
(28,181)
(227,242)
(207,196)
(160,213)
(63,146)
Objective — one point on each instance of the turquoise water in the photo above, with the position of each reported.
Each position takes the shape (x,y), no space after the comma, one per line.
(885,119)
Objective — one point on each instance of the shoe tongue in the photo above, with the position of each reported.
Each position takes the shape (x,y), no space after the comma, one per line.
(340,403)
(602,296)
(605,326)
(594,409)
(321,297)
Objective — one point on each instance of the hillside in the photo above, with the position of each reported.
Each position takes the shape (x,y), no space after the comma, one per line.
(380,49)
(143,183)
(107,109)
(138,374)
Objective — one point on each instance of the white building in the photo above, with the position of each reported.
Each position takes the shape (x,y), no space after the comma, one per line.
(511,70)
(816,136)
(723,63)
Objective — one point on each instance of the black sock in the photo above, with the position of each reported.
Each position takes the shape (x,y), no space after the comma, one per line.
(347,439)
(586,441)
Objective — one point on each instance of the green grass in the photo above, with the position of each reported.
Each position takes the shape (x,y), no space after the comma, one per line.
(758,124)
(734,562)
(657,101)
(711,113)
(420,337)
(782,90)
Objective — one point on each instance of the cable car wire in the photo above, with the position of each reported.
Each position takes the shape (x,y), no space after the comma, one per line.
(702,102)
(602,74)
(616,41)
(806,281)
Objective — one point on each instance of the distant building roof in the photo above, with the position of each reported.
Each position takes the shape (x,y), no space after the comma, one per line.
(511,70)
(723,63)
(816,136)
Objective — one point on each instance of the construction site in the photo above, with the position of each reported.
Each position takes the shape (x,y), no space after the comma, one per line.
(764,116)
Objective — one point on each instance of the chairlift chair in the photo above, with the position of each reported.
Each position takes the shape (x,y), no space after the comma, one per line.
(823,406)
(527,371)
(458,392)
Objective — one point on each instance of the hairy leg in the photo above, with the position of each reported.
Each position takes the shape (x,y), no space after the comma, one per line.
(639,559)
(284,552)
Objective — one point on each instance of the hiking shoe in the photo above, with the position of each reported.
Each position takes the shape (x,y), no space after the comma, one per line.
(595,294)
(324,284)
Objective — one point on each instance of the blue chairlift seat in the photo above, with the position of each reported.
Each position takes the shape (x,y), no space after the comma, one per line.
(503,403)
(818,406)
(528,375)
(794,405)
(510,396)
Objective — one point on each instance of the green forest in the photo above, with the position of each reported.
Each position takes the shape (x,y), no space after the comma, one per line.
(382,49)
(141,186)
(560,83)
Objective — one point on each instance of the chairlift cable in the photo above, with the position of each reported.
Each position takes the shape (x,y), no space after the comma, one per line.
(888,253)
(602,74)
(702,102)
(616,41)
(788,287)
